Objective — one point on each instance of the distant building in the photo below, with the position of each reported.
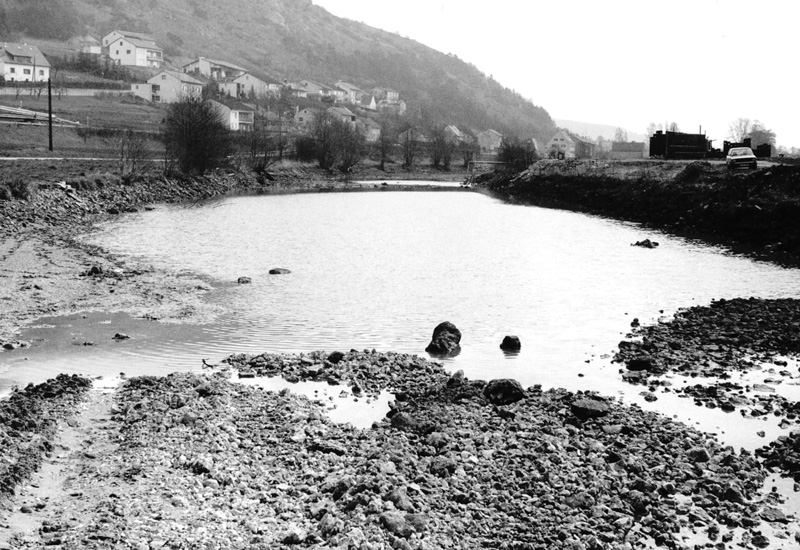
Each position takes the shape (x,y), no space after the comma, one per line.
(304,118)
(210,68)
(246,85)
(343,114)
(453,134)
(168,87)
(353,94)
(316,89)
(23,63)
(489,140)
(621,150)
(237,116)
(677,145)
(132,49)
(370,129)
(368,102)
(388,95)
(566,145)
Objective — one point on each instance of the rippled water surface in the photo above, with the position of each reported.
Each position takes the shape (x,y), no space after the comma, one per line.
(380,270)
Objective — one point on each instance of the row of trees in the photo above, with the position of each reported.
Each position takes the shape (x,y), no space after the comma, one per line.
(196,140)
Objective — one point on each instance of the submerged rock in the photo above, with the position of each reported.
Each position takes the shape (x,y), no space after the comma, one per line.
(445,341)
(511,343)
(647,243)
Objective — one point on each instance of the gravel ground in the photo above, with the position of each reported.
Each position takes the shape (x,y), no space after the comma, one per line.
(199,461)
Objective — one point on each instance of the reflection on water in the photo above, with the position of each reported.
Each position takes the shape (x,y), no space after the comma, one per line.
(381,270)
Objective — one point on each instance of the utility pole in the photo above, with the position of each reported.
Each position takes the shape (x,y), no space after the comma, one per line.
(50,113)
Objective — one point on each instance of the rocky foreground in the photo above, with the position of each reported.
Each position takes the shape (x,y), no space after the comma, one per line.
(199,461)
(711,344)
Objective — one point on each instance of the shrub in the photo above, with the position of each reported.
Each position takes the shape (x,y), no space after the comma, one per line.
(17,188)
(196,138)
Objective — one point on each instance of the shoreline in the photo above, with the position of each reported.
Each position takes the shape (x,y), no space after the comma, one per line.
(44,264)
(632,477)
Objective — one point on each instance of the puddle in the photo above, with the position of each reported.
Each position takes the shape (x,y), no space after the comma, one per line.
(339,403)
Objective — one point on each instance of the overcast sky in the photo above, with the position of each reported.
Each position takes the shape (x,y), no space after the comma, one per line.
(699,63)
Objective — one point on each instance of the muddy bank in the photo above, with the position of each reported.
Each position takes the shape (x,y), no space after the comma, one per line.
(204,462)
(752,212)
(29,426)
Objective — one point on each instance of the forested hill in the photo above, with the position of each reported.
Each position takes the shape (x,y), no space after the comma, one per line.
(292,39)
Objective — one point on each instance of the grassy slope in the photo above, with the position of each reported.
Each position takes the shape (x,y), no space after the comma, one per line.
(111,112)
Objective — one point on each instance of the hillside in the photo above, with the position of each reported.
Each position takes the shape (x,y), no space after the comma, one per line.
(593,131)
(293,39)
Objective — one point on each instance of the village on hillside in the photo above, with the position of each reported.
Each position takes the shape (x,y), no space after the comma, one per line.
(243,98)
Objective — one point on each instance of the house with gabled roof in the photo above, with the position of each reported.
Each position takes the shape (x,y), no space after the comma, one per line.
(315,88)
(132,49)
(23,63)
(453,134)
(566,145)
(211,68)
(236,115)
(294,89)
(304,118)
(344,114)
(353,94)
(247,85)
(489,140)
(627,150)
(368,102)
(370,129)
(388,95)
(168,87)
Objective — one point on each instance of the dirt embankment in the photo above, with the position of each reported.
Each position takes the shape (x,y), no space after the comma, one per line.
(752,212)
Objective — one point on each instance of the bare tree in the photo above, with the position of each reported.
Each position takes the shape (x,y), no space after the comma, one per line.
(739,129)
(652,128)
(409,145)
(132,152)
(441,148)
(760,134)
(620,135)
(673,127)
(386,143)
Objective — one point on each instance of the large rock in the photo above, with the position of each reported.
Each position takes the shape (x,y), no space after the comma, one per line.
(589,408)
(445,341)
(503,391)
(279,271)
(511,343)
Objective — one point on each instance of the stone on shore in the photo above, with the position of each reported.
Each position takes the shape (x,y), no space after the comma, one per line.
(589,408)
(244,280)
(445,341)
(279,271)
(503,391)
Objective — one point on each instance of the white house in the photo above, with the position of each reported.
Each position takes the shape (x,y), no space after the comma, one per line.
(168,87)
(247,85)
(237,116)
(211,68)
(133,48)
(23,63)
(353,94)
